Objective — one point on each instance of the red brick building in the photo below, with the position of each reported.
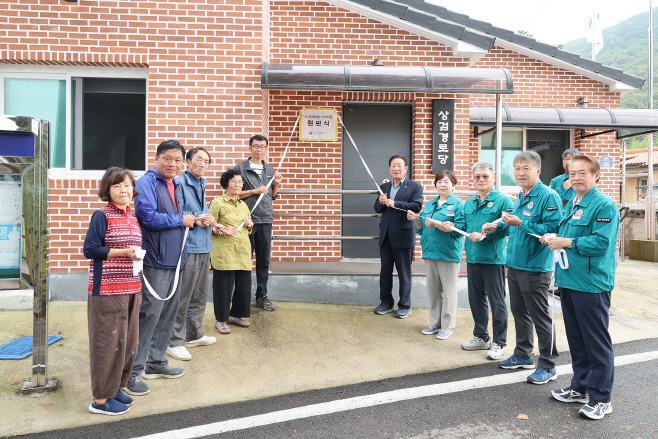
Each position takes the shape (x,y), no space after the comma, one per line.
(115,78)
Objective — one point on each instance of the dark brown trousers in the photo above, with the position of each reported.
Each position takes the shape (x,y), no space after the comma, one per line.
(113,323)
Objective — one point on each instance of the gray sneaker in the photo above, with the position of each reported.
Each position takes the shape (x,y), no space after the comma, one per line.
(431,329)
(136,387)
(265,303)
(162,371)
(477,344)
(443,334)
(383,309)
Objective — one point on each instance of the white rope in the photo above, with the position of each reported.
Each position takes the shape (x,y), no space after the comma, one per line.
(361,157)
(269,183)
(173,288)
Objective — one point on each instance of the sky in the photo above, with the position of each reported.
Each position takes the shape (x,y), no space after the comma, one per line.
(549,21)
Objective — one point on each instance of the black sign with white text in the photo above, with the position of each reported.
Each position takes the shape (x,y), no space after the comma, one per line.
(443,134)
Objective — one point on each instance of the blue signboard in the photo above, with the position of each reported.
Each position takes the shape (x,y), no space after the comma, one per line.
(607,162)
(16,144)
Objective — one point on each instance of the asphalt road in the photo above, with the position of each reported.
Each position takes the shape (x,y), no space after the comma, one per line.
(487,412)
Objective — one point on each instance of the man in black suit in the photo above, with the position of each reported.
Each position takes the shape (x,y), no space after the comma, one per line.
(397,236)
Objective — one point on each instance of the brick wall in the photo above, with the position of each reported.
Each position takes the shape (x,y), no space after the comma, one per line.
(203,60)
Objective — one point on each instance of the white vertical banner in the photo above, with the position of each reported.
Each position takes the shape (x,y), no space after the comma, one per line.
(595,34)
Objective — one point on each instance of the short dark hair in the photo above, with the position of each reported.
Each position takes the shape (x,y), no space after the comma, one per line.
(167,145)
(192,152)
(259,137)
(445,173)
(397,157)
(114,176)
(228,175)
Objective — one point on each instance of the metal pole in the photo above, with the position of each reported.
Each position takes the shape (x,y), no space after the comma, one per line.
(499,140)
(622,249)
(650,214)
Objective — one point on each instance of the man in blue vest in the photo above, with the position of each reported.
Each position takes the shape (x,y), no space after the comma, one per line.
(187,331)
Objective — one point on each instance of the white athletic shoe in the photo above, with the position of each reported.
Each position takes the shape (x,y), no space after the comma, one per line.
(475,344)
(179,353)
(496,351)
(203,341)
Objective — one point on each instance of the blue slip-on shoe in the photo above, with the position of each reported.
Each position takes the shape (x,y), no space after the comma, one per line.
(403,313)
(110,407)
(123,398)
(570,395)
(595,409)
(431,329)
(542,375)
(515,362)
(383,309)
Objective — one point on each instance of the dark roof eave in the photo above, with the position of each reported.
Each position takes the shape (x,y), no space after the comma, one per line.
(459,26)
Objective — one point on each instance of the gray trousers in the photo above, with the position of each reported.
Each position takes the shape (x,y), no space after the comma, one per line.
(442,292)
(193,298)
(487,281)
(156,318)
(528,297)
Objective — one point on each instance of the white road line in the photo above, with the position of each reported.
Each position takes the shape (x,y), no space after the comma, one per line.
(343,405)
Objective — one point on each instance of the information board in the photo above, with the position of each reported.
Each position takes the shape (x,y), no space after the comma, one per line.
(10,226)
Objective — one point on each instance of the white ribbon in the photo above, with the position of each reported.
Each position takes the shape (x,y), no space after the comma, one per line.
(269,183)
(138,266)
(365,165)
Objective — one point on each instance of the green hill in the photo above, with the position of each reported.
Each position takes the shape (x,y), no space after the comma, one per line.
(626,48)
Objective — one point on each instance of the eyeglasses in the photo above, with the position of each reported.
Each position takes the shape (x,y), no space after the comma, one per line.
(482,177)
(259,146)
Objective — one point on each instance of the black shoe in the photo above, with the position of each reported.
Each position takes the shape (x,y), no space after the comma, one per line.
(265,303)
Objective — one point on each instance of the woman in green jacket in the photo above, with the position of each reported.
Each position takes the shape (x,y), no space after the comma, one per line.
(442,252)
(230,257)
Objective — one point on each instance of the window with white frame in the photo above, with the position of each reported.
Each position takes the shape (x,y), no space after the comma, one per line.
(97,116)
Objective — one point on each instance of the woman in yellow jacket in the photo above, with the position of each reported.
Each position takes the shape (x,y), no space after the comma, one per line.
(230,257)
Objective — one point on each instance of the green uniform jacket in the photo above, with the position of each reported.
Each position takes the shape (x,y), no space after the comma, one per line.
(593,224)
(540,213)
(230,252)
(492,249)
(437,244)
(564,194)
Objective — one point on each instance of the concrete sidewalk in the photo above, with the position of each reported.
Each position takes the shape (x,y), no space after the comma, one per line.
(298,347)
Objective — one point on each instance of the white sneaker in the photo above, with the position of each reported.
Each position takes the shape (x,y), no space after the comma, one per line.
(496,351)
(476,344)
(203,341)
(179,353)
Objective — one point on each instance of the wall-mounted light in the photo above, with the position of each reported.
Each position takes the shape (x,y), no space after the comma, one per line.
(377,62)
(71,1)
(582,101)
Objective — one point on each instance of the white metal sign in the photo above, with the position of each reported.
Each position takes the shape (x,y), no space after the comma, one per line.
(318,125)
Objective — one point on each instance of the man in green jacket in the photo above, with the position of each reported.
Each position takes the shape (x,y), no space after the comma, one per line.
(537,211)
(485,258)
(588,234)
(561,183)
